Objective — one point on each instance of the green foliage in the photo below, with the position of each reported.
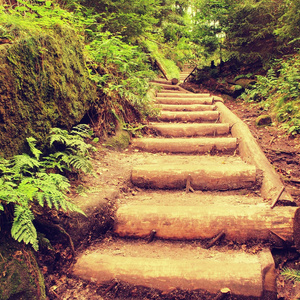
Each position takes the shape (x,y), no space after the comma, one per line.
(279,91)
(288,22)
(291,274)
(27,181)
(44,81)
(124,79)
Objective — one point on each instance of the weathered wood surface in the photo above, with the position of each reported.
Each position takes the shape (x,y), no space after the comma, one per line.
(239,223)
(188,107)
(203,177)
(185,145)
(189,100)
(251,152)
(189,116)
(190,130)
(144,265)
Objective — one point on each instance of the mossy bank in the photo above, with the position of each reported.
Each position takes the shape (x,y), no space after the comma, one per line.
(44,83)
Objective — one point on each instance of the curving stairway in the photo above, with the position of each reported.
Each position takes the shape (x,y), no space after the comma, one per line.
(202,195)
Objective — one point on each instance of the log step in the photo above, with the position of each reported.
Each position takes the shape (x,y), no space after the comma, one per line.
(189,116)
(186,145)
(163,81)
(203,173)
(188,107)
(190,130)
(167,266)
(175,92)
(239,223)
(184,101)
(183,95)
(169,87)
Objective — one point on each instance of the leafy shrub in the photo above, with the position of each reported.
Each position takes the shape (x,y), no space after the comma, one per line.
(279,91)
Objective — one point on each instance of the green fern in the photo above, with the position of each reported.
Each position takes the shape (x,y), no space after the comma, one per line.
(291,274)
(23,229)
(25,181)
(80,163)
(32,145)
(24,164)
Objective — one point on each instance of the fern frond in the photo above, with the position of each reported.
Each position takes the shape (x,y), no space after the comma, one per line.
(80,163)
(291,274)
(32,145)
(4,169)
(23,228)
(73,207)
(23,163)
(58,135)
(82,130)
(78,146)
(51,190)
(51,162)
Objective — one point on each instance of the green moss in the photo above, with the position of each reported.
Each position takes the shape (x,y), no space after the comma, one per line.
(118,142)
(263,120)
(44,83)
(20,277)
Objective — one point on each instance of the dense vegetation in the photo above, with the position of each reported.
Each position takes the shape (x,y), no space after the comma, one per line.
(121,46)
(258,40)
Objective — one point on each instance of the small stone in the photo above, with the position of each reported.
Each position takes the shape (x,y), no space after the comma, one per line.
(263,120)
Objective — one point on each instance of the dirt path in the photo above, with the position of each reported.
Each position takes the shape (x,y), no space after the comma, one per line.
(193,219)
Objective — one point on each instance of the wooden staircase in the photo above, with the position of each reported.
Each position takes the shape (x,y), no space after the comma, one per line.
(195,192)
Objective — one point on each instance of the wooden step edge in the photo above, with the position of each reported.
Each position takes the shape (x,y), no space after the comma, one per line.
(204,177)
(186,145)
(239,223)
(251,152)
(189,116)
(184,101)
(243,274)
(187,107)
(183,95)
(190,130)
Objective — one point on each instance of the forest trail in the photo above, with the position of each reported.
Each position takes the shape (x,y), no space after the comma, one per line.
(210,191)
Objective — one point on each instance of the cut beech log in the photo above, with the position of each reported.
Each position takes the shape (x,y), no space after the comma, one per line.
(204,177)
(251,152)
(190,107)
(161,68)
(162,81)
(182,145)
(184,95)
(184,101)
(188,269)
(190,116)
(297,229)
(168,86)
(189,130)
(238,222)
(174,81)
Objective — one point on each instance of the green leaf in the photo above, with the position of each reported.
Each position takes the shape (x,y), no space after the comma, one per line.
(291,274)
(32,144)
(23,229)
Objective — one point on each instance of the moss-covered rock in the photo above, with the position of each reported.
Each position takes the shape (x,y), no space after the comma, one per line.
(44,83)
(263,120)
(20,277)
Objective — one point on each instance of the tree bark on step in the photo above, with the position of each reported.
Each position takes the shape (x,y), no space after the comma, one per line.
(205,177)
(162,69)
(238,223)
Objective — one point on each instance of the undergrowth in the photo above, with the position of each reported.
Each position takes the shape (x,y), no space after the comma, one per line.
(34,181)
(279,92)
(291,274)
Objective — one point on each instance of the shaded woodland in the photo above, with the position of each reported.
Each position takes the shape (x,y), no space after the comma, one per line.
(75,72)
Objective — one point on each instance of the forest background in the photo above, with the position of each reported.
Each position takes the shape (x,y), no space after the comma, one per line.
(64,63)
